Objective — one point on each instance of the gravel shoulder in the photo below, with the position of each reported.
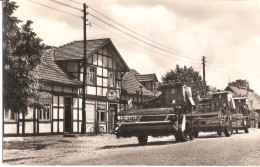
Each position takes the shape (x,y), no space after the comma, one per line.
(209,149)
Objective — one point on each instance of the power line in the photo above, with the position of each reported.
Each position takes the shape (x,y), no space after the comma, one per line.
(219,65)
(132,41)
(137,38)
(72,7)
(75,2)
(139,33)
(133,31)
(55,9)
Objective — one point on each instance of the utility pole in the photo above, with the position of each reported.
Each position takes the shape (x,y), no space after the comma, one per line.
(83,124)
(203,63)
(204,77)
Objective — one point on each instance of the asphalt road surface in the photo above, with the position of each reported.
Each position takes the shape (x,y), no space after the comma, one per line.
(208,149)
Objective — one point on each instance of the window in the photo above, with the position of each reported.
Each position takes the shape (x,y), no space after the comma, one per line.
(173,91)
(111,79)
(10,115)
(101,113)
(44,114)
(219,96)
(91,75)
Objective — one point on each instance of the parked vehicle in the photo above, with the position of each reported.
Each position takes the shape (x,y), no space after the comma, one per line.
(168,119)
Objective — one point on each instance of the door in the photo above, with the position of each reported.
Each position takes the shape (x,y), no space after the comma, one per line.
(112,117)
(68,114)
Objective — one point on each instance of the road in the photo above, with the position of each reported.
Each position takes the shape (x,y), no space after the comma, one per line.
(207,150)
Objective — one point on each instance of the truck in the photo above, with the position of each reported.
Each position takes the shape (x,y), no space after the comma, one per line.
(167,118)
(213,114)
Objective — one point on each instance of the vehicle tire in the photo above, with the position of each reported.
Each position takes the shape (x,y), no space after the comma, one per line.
(227,132)
(142,140)
(182,136)
(196,134)
(219,133)
(177,138)
(246,130)
(236,130)
(191,135)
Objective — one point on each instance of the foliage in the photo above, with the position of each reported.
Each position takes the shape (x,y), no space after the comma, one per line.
(240,83)
(22,51)
(189,77)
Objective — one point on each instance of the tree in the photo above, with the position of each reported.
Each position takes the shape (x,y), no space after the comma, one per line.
(22,51)
(240,83)
(188,77)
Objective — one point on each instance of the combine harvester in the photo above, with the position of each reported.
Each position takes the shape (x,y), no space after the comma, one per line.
(176,104)
(240,117)
(214,114)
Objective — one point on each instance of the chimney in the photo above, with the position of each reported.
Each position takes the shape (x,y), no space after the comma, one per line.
(53,54)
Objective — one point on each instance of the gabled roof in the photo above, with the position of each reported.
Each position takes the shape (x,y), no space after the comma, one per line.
(130,84)
(75,50)
(50,72)
(241,92)
(222,92)
(146,77)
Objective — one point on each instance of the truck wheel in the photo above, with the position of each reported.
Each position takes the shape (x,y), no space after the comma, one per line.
(196,134)
(142,140)
(182,136)
(227,132)
(246,130)
(236,130)
(177,138)
(219,133)
(191,135)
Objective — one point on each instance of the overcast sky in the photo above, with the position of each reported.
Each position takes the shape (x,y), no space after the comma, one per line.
(226,32)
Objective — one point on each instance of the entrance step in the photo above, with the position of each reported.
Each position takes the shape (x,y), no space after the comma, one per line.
(69,135)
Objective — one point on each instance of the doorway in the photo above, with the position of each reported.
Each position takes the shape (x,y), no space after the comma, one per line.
(68,114)
(112,114)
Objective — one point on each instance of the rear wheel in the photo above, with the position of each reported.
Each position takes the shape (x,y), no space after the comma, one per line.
(182,136)
(191,135)
(236,130)
(246,130)
(219,133)
(196,134)
(177,138)
(227,132)
(142,140)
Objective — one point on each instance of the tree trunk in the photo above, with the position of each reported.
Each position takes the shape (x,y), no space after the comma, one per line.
(23,124)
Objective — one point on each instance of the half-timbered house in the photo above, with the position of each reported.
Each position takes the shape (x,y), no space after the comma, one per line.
(61,76)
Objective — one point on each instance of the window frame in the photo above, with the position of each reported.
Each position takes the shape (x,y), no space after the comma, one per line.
(94,75)
(42,115)
(10,115)
(113,79)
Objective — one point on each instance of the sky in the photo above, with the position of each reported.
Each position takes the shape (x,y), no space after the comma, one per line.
(226,32)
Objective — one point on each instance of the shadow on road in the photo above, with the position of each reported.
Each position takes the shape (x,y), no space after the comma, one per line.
(138,145)
(216,135)
(17,159)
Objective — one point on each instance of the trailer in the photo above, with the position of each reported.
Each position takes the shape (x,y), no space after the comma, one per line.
(169,119)
(214,114)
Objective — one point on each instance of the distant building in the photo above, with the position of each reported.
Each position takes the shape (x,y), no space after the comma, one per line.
(138,89)
(253,99)
(243,92)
